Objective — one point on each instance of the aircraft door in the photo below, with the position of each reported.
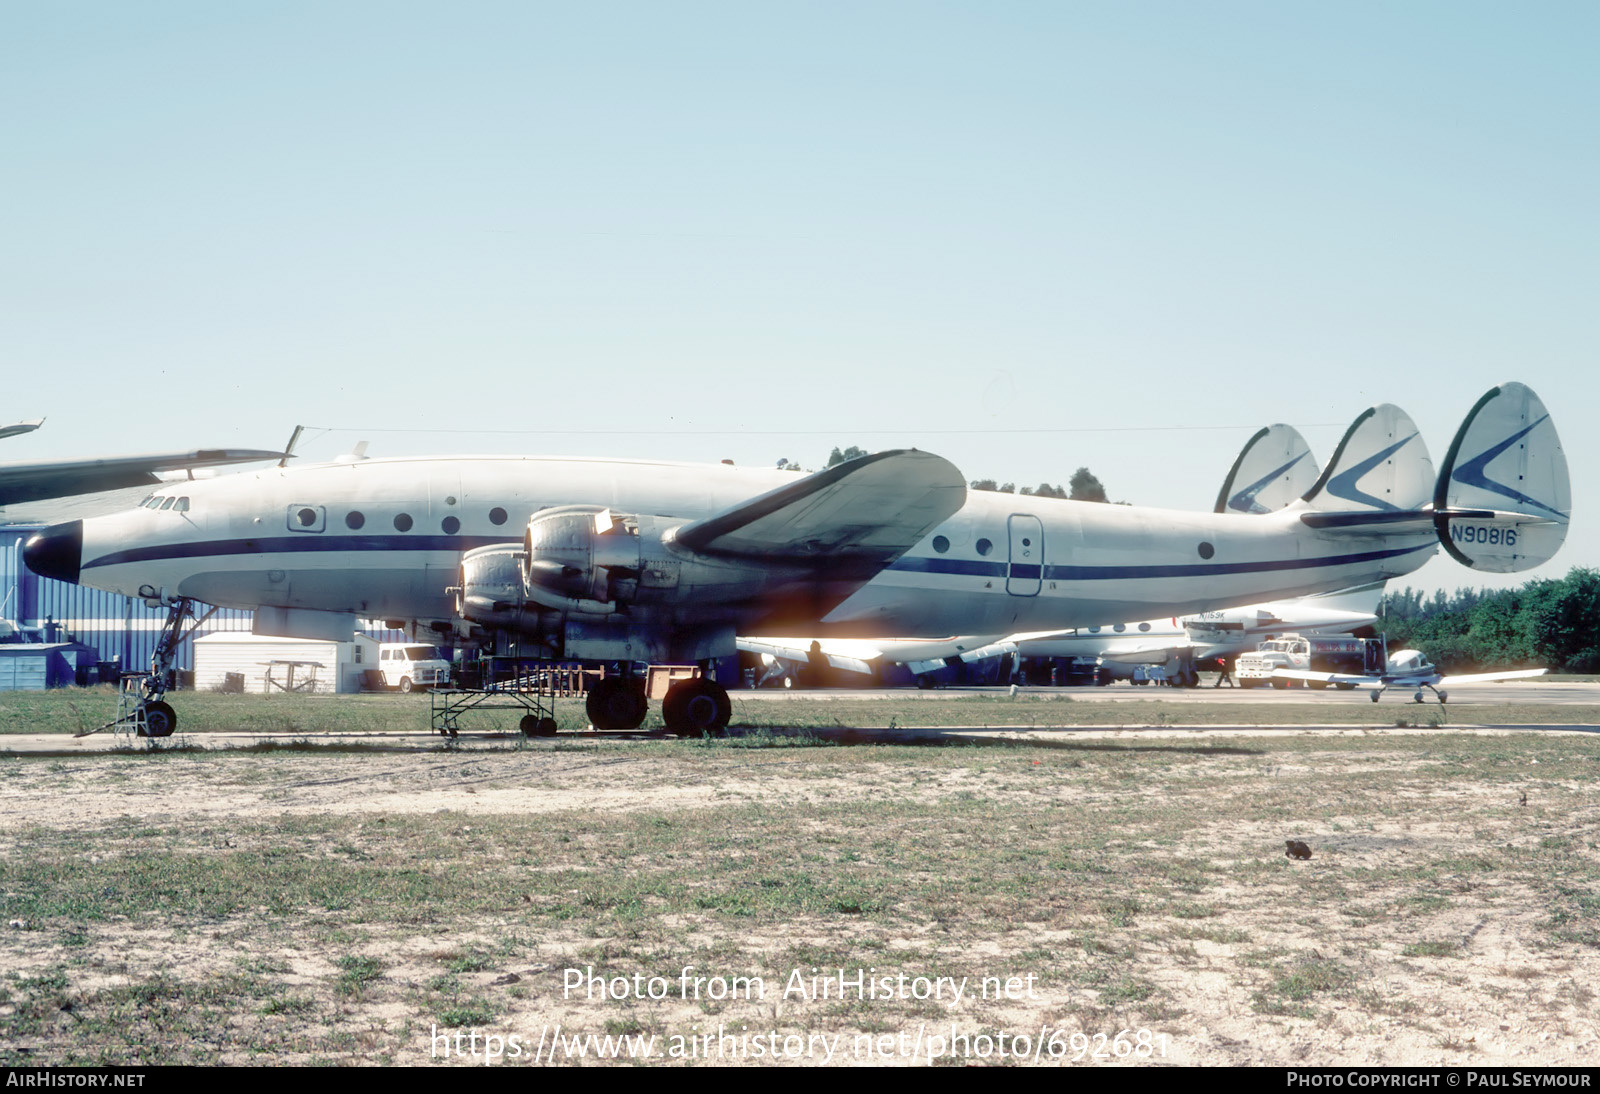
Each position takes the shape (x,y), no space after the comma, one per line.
(1026,572)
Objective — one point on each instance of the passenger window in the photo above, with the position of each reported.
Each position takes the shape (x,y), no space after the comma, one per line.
(307,518)
(402,522)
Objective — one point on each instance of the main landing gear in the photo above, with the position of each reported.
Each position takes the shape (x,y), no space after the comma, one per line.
(616,702)
(695,708)
(690,708)
(1416,696)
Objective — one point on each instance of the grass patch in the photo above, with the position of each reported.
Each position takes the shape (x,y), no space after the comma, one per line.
(370,905)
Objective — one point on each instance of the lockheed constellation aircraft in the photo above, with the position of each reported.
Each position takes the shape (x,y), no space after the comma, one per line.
(637,562)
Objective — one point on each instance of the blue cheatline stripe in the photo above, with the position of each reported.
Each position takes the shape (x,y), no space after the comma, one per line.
(1116,573)
(307,543)
(964,567)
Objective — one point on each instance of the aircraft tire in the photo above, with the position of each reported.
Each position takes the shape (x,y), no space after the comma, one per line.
(695,708)
(616,704)
(159,720)
(537,727)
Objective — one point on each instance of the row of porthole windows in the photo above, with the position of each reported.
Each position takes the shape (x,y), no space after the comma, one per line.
(941,544)
(1119,628)
(355,520)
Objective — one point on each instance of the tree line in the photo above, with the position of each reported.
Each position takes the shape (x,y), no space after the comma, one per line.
(1544,623)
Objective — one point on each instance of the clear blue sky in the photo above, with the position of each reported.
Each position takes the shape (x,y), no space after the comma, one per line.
(1027,236)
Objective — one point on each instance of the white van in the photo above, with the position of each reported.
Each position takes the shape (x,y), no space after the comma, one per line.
(406,665)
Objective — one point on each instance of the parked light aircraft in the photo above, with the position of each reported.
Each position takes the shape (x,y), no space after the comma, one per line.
(1405,669)
(23,482)
(636,562)
(1273,470)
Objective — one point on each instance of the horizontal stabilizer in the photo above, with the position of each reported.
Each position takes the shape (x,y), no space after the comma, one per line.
(1503,498)
(1367,522)
(1380,466)
(858,516)
(1273,469)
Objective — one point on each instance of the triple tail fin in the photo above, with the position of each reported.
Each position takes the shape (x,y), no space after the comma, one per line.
(1504,498)
(1380,474)
(1274,468)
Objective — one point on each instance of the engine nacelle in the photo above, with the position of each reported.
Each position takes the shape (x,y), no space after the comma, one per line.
(489,591)
(572,554)
(588,562)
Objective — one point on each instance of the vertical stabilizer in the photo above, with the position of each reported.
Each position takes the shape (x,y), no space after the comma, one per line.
(1273,469)
(1380,466)
(1503,498)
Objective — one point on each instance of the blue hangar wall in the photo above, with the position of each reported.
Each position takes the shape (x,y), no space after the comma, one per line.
(117,628)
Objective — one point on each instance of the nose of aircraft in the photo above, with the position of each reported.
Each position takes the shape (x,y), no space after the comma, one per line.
(56,552)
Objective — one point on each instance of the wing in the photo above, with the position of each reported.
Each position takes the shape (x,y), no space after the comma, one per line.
(24,482)
(853,519)
(1484,677)
(1348,679)
(855,658)
(20,427)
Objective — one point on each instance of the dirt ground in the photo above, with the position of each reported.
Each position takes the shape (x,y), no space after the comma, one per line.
(1474,977)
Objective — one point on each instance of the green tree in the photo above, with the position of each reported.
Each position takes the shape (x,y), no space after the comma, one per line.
(1085,487)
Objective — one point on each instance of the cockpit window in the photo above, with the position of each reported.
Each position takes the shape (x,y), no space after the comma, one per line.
(182,506)
(167,502)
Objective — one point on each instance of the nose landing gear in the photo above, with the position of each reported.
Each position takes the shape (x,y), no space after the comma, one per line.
(141,704)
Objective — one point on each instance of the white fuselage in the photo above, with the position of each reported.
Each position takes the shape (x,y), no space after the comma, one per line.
(384,539)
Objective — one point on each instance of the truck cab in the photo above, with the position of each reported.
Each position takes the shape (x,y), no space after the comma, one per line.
(1309,653)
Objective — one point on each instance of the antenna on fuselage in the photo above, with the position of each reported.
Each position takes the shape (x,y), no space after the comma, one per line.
(288,449)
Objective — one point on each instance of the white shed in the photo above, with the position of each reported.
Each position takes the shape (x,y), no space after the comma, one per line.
(292,664)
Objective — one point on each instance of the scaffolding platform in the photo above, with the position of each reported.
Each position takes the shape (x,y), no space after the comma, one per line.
(513,683)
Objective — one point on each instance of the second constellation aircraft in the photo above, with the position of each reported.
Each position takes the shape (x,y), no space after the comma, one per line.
(636,562)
